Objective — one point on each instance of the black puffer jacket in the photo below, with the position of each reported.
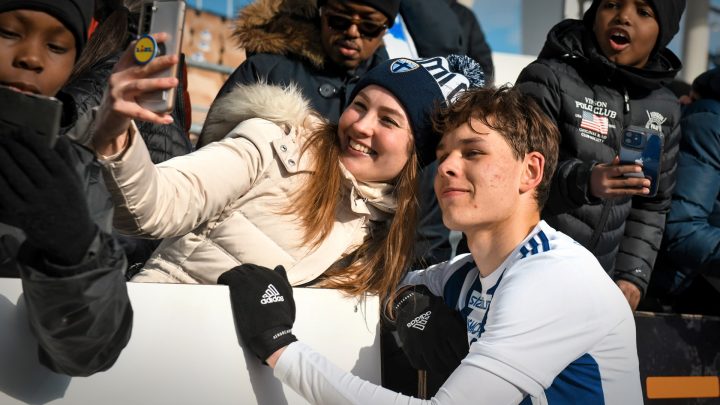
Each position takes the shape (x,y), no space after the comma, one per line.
(83,320)
(571,77)
(86,91)
(282,42)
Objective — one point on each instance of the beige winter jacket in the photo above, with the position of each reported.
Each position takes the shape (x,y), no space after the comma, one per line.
(223,204)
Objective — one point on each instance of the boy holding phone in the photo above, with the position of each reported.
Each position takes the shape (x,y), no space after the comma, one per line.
(595,78)
(55,213)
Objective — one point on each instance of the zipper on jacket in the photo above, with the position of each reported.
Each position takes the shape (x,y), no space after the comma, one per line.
(627,102)
(608,204)
(626,121)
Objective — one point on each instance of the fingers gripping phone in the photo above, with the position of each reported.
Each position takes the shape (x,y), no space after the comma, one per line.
(644,147)
(163,16)
(40,113)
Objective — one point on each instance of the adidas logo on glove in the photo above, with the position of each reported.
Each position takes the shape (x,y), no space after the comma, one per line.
(271,295)
(420,322)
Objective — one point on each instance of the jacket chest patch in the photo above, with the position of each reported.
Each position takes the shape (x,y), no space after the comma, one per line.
(655,121)
(594,118)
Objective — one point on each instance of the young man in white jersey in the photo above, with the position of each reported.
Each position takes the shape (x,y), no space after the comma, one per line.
(544,321)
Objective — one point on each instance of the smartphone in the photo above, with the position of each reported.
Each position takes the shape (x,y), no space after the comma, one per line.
(163,16)
(644,147)
(40,113)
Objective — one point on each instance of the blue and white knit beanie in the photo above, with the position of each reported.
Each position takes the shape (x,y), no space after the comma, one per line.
(421,85)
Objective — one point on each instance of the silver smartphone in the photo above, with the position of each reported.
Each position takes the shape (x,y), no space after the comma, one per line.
(40,113)
(163,16)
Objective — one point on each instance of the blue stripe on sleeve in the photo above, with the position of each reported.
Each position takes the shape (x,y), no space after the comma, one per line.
(544,240)
(524,251)
(534,245)
(578,383)
(453,287)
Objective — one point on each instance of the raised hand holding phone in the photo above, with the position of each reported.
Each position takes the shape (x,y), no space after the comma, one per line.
(129,82)
(609,180)
(166,16)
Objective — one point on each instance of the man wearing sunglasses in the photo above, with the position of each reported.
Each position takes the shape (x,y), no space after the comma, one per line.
(323,49)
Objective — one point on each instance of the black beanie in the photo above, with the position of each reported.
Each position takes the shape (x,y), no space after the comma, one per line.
(420,86)
(667,13)
(388,7)
(74,14)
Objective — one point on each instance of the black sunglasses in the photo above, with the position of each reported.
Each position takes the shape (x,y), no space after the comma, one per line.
(341,22)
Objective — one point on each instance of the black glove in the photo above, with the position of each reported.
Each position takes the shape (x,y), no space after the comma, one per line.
(433,336)
(41,193)
(263,306)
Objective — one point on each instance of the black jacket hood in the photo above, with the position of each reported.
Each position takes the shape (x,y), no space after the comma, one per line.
(571,40)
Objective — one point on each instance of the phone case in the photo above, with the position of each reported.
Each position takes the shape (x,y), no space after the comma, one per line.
(40,113)
(644,147)
(163,16)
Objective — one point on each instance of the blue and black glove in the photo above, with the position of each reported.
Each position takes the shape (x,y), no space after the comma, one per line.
(41,193)
(433,335)
(263,306)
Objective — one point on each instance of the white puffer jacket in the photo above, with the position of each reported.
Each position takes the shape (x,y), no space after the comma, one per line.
(223,205)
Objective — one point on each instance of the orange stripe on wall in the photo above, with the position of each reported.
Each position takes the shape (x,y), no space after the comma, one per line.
(682,387)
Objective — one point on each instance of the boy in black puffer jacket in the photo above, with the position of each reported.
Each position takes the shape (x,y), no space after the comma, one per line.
(596,77)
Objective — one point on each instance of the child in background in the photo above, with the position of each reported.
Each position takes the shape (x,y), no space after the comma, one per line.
(55,213)
(595,78)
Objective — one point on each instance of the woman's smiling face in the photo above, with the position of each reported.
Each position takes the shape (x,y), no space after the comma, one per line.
(375,136)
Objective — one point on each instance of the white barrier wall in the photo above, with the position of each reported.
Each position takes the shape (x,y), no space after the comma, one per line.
(509,65)
(184,350)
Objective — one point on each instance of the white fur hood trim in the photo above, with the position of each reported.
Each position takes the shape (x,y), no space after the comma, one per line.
(284,106)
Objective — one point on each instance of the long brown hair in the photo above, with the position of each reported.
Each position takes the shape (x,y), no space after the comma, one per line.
(112,35)
(377,266)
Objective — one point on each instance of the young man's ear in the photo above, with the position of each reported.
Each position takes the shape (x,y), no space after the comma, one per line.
(533,169)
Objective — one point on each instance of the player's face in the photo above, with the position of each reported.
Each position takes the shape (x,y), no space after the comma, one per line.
(37,52)
(478,179)
(626,31)
(375,136)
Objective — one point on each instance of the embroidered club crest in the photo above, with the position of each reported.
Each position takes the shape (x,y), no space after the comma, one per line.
(655,121)
(403,65)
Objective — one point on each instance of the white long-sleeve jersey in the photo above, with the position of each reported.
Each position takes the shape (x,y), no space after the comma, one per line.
(548,326)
